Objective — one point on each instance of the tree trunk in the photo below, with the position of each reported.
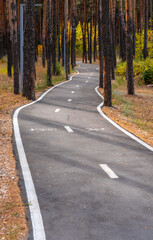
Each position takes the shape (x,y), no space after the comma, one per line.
(95,34)
(29,52)
(91,19)
(54,38)
(101,78)
(112,40)
(145,50)
(58,33)
(106,52)
(151,10)
(44,35)
(9,42)
(15,46)
(74,5)
(84,32)
(129,52)
(49,44)
(134,25)
(66,38)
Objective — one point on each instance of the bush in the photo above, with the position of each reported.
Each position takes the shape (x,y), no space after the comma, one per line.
(58,69)
(148,76)
(121,69)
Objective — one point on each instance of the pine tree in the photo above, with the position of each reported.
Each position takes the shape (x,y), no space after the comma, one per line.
(129,47)
(66,37)
(29,52)
(101,79)
(145,50)
(15,45)
(106,52)
(49,45)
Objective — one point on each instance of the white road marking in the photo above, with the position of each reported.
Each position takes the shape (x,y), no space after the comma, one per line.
(35,213)
(43,129)
(68,129)
(57,110)
(110,173)
(119,127)
(72,92)
(87,81)
(95,129)
(77,86)
(69,100)
(89,77)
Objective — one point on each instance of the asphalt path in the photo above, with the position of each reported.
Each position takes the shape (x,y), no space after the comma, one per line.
(92,181)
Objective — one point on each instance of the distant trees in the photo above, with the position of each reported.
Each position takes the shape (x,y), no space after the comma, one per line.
(55,30)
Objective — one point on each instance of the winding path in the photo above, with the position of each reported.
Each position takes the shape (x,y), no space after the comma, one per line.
(92,181)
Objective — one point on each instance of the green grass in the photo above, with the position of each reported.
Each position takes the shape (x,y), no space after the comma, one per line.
(118,99)
(118,82)
(41,83)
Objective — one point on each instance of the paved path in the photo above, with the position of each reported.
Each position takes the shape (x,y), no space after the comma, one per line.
(92,181)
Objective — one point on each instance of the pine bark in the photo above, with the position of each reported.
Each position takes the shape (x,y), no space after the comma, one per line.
(129,47)
(54,38)
(84,31)
(122,45)
(9,41)
(66,38)
(91,23)
(112,40)
(44,35)
(95,32)
(106,52)
(145,50)
(58,31)
(49,44)
(14,10)
(29,52)
(151,10)
(134,25)
(73,57)
(101,78)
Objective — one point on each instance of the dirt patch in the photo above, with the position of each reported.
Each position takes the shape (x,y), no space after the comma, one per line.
(134,113)
(12,211)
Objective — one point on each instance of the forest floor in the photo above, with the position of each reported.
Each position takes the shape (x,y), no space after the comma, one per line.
(134,113)
(13,223)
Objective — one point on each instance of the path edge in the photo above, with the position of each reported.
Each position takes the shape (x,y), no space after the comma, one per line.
(99,109)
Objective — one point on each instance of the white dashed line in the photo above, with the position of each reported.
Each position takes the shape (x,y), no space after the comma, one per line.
(77,86)
(87,81)
(43,129)
(69,100)
(89,77)
(57,110)
(72,92)
(110,173)
(68,129)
